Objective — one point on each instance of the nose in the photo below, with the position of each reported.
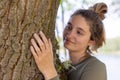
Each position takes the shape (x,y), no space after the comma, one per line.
(70,34)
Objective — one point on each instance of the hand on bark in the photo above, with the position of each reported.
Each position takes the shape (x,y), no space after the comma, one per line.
(41,49)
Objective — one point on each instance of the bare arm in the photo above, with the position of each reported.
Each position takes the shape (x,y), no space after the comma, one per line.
(43,55)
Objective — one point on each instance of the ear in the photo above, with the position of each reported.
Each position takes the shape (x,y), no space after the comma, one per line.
(91,43)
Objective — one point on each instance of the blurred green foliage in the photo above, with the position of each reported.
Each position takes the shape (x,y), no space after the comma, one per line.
(112,45)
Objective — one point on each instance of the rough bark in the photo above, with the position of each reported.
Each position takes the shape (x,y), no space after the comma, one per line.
(19,19)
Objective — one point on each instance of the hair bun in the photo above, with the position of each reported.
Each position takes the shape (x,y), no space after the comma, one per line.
(100,9)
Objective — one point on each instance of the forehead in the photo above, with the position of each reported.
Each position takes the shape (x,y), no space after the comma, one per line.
(78,21)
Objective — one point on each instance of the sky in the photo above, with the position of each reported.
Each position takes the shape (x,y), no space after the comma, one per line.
(111,22)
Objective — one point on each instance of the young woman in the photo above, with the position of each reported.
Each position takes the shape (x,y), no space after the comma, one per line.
(83,34)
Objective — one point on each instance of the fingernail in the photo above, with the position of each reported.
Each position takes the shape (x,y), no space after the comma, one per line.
(40,32)
(35,34)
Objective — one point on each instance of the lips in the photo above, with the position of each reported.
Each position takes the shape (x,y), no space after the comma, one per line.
(68,41)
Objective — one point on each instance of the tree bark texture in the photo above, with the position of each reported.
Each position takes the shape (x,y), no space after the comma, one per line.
(19,19)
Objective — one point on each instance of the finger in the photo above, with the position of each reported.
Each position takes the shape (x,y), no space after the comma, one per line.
(36,48)
(50,44)
(39,41)
(36,57)
(44,39)
(33,52)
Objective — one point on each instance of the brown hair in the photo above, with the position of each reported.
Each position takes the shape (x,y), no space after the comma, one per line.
(94,16)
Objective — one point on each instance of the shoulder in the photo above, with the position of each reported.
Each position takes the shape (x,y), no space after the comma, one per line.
(94,64)
(91,63)
(90,69)
(94,70)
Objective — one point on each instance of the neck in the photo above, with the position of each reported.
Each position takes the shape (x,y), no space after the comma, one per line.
(77,57)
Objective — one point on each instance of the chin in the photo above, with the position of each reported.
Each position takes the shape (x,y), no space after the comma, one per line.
(68,47)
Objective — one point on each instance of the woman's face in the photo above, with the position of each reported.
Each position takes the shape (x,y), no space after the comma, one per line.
(77,34)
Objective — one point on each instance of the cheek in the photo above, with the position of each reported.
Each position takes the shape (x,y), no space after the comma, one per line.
(82,41)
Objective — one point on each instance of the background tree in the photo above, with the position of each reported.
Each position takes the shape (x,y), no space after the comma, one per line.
(19,19)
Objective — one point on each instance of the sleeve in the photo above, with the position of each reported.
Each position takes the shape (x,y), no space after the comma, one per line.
(55,78)
(94,71)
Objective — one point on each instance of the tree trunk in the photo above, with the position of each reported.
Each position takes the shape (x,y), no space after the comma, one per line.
(19,19)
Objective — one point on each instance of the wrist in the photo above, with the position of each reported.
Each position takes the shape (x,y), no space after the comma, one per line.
(49,74)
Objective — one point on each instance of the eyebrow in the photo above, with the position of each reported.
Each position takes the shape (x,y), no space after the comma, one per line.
(81,29)
(77,27)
